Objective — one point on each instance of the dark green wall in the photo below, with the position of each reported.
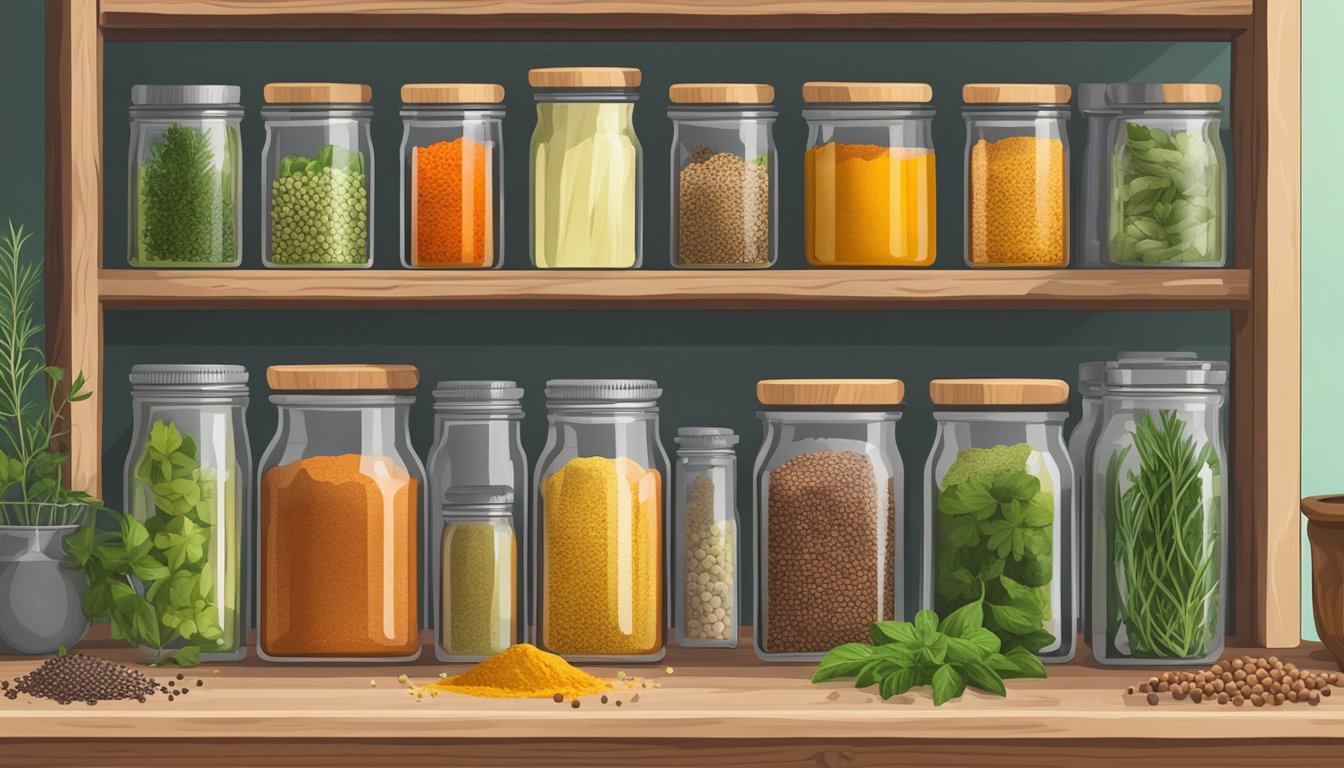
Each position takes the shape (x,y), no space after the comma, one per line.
(22,128)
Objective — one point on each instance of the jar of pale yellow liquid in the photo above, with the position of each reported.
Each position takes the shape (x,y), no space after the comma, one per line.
(868,176)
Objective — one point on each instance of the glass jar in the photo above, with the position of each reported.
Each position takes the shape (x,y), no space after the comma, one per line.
(342,529)
(706,536)
(1168,179)
(1159,559)
(1017,175)
(999,510)
(587,169)
(600,520)
(317,176)
(725,194)
(189,474)
(186,176)
(452,176)
(475,573)
(830,511)
(869,192)
(1095,210)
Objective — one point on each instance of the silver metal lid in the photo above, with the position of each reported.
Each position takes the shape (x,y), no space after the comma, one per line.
(1092,373)
(478,495)
(154,374)
(1171,374)
(705,438)
(185,95)
(1125,357)
(602,390)
(477,389)
(1092,99)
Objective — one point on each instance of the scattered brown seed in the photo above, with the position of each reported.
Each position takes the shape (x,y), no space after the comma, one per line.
(574,703)
(557,698)
(1152,699)
(1223,698)
(833,695)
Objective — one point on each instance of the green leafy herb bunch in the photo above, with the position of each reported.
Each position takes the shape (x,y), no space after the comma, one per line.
(187,206)
(1167,197)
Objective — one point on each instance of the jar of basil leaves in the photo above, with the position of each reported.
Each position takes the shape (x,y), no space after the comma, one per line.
(1168,176)
(999,514)
(186,171)
(1159,495)
(189,479)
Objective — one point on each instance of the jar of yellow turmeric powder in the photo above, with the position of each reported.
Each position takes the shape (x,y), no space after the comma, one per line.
(868,175)
(1017,174)
(601,506)
(341,533)
(452,175)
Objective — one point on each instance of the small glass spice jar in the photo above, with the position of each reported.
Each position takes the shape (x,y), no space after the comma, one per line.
(452,175)
(869,192)
(186,172)
(317,176)
(829,514)
(587,169)
(999,510)
(724,175)
(705,538)
(474,573)
(1017,174)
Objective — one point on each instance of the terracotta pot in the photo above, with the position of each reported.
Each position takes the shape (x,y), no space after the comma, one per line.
(1325,530)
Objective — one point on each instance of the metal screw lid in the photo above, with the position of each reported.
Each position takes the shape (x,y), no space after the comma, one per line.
(1169,374)
(154,374)
(1125,357)
(185,95)
(603,390)
(478,495)
(705,438)
(477,389)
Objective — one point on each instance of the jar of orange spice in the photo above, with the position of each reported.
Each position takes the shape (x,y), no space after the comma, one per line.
(452,175)
(341,506)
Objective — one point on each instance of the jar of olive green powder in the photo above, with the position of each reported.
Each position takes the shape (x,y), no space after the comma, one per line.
(475,565)
(317,176)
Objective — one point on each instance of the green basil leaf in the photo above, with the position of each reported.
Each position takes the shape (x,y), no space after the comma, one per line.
(979,674)
(1014,619)
(961,650)
(926,625)
(884,632)
(1024,664)
(187,656)
(948,684)
(963,620)
(843,661)
(984,639)
(896,682)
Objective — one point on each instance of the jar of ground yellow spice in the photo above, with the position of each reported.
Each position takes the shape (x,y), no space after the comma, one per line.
(868,176)
(1017,174)
(473,576)
(600,526)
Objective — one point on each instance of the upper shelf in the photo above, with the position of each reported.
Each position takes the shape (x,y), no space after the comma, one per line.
(176,19)
(1206,289)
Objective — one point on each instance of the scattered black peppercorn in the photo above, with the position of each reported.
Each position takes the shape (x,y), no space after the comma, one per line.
(558,698)
(574,703)
(77,677)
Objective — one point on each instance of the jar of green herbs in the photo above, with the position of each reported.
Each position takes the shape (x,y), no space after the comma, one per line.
(1159,493)
(189,480)
(475,573)
(185,176)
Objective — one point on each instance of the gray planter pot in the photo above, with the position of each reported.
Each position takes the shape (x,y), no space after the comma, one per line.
(40,596)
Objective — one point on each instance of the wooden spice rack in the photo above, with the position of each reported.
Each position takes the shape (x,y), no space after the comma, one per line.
(734,709)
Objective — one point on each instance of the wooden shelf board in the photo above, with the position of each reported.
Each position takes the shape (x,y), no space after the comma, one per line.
(775,288)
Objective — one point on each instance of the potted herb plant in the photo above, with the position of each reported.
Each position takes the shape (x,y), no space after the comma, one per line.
(40,593)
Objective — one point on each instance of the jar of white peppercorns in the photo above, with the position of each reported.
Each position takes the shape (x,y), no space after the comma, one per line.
(705,538)
(830,511)
(317,176)
(724,178)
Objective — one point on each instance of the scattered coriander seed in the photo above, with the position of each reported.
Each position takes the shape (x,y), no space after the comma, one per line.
(604,699)
(1152,699)
(373,683)
(670,670)
(618,702)
(558,698)
(574,703)
(401,678)
(620,675)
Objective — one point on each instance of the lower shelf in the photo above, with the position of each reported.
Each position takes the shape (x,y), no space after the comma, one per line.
(721,705)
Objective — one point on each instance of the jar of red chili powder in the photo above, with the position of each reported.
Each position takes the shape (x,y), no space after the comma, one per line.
(452,176)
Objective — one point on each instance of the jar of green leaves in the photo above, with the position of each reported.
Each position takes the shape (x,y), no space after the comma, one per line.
(188,482)
(185,176)
(1159,499)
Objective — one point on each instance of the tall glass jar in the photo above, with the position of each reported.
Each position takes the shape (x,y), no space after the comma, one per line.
(705,539)
(186,176)
(478,441)
(830,515)
(452,175)
(1168,178)
(1017,174)
(189,474)
(1092,214)
(341,505)
(999,510)
(587,169)
(317,176)
(869,192)
(475,573)
(1159,491)
(724,175)
(601,506)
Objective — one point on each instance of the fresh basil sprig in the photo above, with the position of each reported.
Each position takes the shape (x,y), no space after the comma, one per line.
(951,655)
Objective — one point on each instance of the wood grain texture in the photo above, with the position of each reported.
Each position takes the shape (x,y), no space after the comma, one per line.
(291,378)
(317,93)
(876,392)
(74,228)
(999,392)
(791,289)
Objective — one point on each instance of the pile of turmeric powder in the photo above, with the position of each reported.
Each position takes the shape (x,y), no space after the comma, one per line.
(521,672)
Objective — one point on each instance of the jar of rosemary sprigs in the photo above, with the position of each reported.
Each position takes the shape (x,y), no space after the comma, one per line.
(1159,492)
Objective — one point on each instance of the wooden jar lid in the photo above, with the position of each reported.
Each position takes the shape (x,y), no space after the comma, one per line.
(318,93)
(999,392)
(1192,93)
(329,378)
(830,391)
(1016,93)
(867,93)
(584,77)
(452,93)
(721,93)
